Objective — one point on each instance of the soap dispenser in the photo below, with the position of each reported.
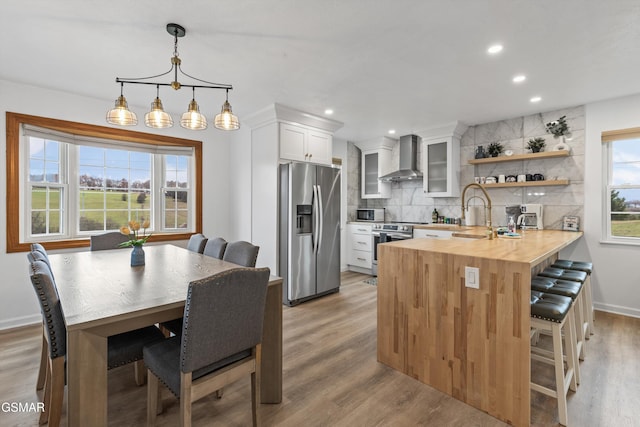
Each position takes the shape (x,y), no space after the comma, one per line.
(434,216)
(511,226)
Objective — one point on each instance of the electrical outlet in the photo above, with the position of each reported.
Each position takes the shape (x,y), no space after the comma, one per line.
(472,277)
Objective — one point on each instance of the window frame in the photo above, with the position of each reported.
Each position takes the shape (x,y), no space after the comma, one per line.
(608,139)
(16,170)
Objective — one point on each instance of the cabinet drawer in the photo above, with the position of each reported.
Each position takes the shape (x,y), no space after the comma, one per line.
(360,258)
(360,242)
(431,234)
(360,228)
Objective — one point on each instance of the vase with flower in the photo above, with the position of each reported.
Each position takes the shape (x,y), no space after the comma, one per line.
(136,240)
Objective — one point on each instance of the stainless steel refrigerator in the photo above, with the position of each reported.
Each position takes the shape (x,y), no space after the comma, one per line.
(309,231)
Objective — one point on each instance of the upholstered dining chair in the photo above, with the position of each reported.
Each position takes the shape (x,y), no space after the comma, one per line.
(110,240)
(38,252)
(197,243)
(220,341)
(215,247)
(122,349)
(241,253)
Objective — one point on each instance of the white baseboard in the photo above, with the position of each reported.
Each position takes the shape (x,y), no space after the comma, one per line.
(617,309)
(17,322)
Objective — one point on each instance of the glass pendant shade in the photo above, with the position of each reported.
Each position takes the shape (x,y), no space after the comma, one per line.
(226,120)
(192,119)
(157,118)
(121,115)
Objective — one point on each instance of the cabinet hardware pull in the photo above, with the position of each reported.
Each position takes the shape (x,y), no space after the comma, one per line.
(362,243)
(361,259)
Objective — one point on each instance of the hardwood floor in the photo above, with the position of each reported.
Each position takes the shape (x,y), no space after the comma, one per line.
(331,378)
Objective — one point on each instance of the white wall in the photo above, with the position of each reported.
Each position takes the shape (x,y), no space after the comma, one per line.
(18,305)
(615,282)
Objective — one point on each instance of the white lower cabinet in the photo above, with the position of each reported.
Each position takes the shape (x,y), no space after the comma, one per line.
(359,246)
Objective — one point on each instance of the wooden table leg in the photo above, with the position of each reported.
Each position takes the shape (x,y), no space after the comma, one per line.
(271,364)
(86,379)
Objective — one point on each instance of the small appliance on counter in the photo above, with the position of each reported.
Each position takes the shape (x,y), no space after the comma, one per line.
(530,217)
(370,214)
(513,211)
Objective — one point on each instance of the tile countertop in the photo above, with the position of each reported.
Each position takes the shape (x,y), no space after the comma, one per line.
(533,247)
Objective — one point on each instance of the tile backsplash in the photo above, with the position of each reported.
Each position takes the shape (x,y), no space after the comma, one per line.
(409,203)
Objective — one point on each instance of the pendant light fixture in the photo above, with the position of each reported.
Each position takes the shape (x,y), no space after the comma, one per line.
(192,119)
(121,115)
(158,118)
(226,120)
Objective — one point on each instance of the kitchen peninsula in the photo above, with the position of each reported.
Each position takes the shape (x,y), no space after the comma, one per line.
(472,344)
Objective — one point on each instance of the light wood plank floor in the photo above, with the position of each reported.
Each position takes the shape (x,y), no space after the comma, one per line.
(332,378)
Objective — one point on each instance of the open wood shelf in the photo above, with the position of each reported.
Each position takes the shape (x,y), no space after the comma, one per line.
(527,184)
(529,156)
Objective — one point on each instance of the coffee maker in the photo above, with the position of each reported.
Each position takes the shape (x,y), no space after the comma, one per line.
(530,217)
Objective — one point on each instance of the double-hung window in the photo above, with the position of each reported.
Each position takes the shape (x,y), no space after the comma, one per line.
(68,181)
(621,149)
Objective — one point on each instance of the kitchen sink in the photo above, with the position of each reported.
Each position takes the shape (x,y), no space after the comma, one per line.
(468,236)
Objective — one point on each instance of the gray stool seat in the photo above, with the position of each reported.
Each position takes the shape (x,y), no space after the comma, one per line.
(551,307)
(568,264)
(562,287)
(561,273)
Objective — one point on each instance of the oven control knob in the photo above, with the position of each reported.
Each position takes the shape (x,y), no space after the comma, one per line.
(403,228)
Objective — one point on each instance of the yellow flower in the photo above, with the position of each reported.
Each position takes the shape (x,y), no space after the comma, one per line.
(146,224)
(135,225)
(125,230)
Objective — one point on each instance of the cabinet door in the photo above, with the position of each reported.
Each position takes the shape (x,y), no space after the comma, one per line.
(319,147)
(441,160)
(375,163)
(292,142)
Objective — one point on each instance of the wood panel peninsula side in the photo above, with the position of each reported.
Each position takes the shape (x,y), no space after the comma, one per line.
(472,344)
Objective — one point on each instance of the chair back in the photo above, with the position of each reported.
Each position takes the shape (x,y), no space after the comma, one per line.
(110,240)
(37,247)
(215,247)
(52,315)
(34,256)
(197,243)
(223,316)
(241,253)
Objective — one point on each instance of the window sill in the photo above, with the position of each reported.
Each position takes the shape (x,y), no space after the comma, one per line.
(635,242)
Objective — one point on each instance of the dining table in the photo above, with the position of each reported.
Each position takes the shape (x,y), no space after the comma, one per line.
(102,295)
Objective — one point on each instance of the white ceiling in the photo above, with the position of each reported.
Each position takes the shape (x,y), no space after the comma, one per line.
(379,64)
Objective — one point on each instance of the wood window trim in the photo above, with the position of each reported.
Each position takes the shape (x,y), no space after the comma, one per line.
(13,122)
(620,134)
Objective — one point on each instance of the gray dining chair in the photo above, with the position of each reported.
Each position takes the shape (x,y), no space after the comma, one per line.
(110,240)
(241,253)
(215,247)
(38,252)
(197,243)
(220,343)
(122,349)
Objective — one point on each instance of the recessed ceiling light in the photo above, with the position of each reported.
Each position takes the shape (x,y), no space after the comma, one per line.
(536,99)
(496,48)
(392,131)
(519,78)
(328,111)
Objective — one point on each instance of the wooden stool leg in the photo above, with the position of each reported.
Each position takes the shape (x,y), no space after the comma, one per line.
(589,311)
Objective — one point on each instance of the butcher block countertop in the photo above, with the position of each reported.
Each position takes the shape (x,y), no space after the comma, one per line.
(532,247)
(464,333)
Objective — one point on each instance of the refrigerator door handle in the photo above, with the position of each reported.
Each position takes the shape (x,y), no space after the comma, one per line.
(315,220)
(320,217)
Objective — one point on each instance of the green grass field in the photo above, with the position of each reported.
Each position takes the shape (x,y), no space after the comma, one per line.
(625,228)
(121,207)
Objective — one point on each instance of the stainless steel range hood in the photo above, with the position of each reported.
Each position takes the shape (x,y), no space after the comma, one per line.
(408,161)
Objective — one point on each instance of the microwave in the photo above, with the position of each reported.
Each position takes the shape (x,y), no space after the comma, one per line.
(373,215)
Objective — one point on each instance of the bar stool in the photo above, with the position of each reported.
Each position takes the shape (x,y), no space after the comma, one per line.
(574,291)
(573,276)
(549,312)
(587,267)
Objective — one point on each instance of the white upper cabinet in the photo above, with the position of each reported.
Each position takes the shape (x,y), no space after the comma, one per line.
(305,144)
(441,160)
(376,162)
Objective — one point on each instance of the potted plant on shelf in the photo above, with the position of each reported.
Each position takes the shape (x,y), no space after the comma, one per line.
(536,145)
(559,128)
(495,149)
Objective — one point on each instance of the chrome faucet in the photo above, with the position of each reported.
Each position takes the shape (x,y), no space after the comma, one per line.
(487,206)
